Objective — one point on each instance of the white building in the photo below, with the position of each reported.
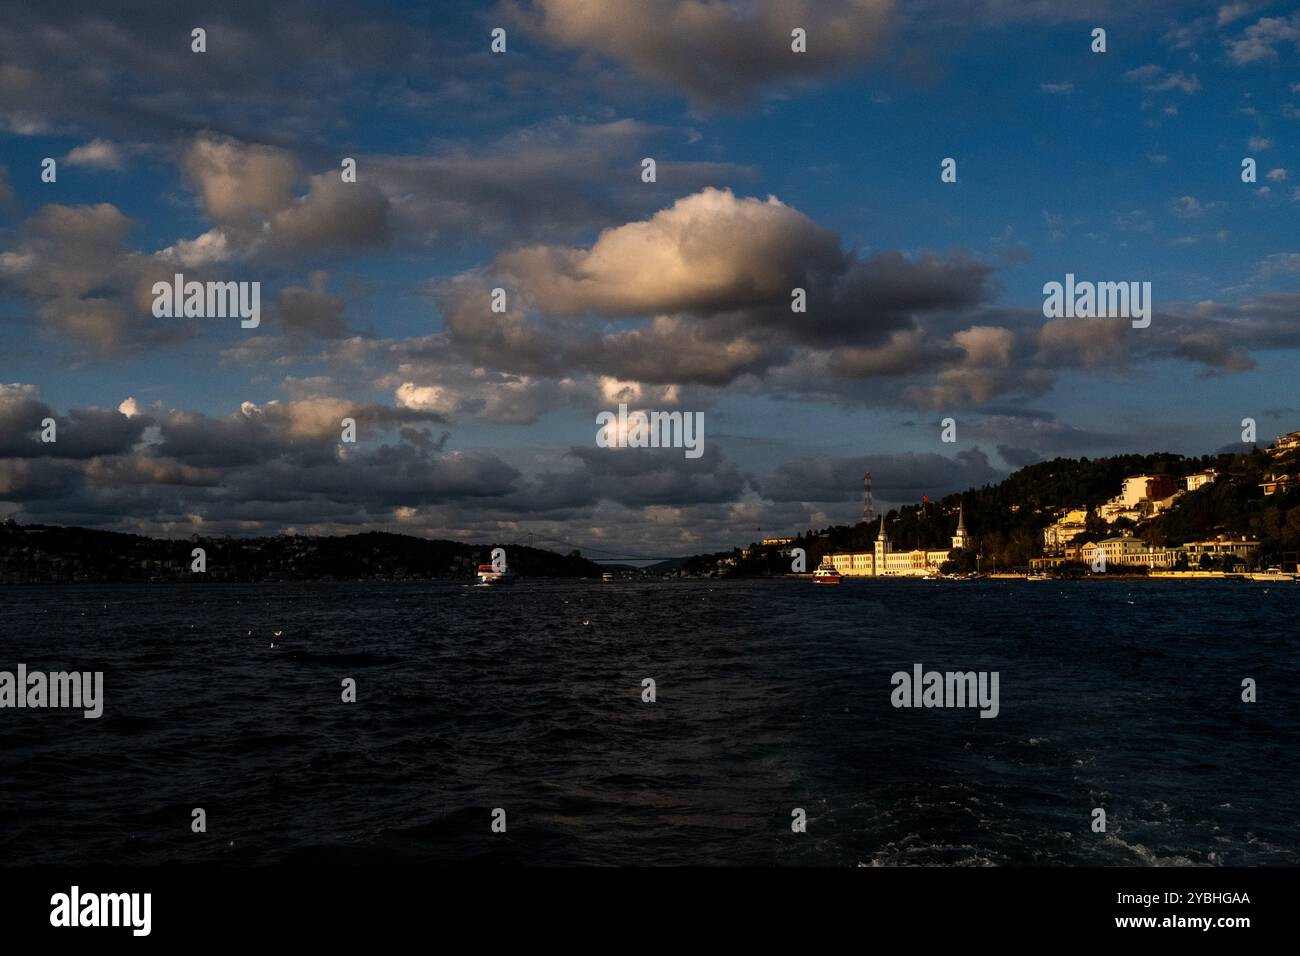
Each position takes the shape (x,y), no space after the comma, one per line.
(884,561)
(1285,444)
(1241,548)
(1117,550)
(1062,531)
(1200,479)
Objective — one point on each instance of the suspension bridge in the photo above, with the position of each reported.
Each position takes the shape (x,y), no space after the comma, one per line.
(598,555)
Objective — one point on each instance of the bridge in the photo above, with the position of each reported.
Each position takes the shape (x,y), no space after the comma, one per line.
(598,555)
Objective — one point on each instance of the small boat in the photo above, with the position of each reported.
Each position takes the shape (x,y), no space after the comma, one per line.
(826,574)
(489,576)
(1272,574)
(607,576)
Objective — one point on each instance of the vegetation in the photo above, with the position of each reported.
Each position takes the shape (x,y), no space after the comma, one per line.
(1008,518)
(40,553)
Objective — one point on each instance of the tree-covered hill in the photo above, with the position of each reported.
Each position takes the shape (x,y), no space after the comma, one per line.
(41,553)
(1008,517)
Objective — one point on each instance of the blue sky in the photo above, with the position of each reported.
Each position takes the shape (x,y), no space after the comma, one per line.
(523,170)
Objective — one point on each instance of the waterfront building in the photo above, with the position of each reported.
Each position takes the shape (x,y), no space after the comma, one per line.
(1068,524)
(1131,552)
(1223,545)
(884,561)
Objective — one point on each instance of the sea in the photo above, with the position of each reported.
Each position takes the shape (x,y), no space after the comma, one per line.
(512,725)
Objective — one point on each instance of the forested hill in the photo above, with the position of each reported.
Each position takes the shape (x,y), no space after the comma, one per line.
(41,553)
(1008,517)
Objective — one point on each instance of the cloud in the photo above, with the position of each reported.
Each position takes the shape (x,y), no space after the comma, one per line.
(717,53)
(1259,42)
(1231,12)
(248,191)
(239,183)
(97,154)
(1018,457)
(88,287)
(426,398)
(709,252)
(899,478)
(1281,263)
(710,280)
(659,476)
(551,180)
(82,433)
(311,313)
(1189,207)
(281,465)
(333,214)
(136,75)
(1155,79)
(555,179)
(208,249)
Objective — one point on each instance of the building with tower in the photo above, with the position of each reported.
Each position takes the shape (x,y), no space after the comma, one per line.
(884,561)
(961,539)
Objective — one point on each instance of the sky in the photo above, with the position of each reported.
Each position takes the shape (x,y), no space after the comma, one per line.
(523,170)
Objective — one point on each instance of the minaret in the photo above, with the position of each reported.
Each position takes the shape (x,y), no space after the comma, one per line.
(961,539)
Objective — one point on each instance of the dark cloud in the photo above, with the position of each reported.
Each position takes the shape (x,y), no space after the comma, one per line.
(714,276)
(903,477)
(1018,457)
(719,53)
(89,288)
(550,181)
(660,476)
(310,313)
(282,72)
(81,433)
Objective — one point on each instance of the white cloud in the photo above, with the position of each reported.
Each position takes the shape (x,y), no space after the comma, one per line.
(98,153)
(1259,42)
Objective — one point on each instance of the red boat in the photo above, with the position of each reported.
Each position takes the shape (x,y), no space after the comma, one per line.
(488,576)
(826,574)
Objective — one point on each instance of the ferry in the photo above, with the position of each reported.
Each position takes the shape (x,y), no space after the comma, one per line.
(826,574)
(488,576)
(607,576)
(1039,576)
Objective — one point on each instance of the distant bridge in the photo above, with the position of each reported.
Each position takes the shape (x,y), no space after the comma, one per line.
(598,555)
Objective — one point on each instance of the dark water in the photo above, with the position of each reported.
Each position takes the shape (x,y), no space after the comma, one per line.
(771,696)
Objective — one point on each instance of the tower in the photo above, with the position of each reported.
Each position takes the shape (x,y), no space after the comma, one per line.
(882,547)
(868,506)
(961,539)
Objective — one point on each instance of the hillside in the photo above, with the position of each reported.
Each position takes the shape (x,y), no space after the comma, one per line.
(1008,518)
(40,554)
